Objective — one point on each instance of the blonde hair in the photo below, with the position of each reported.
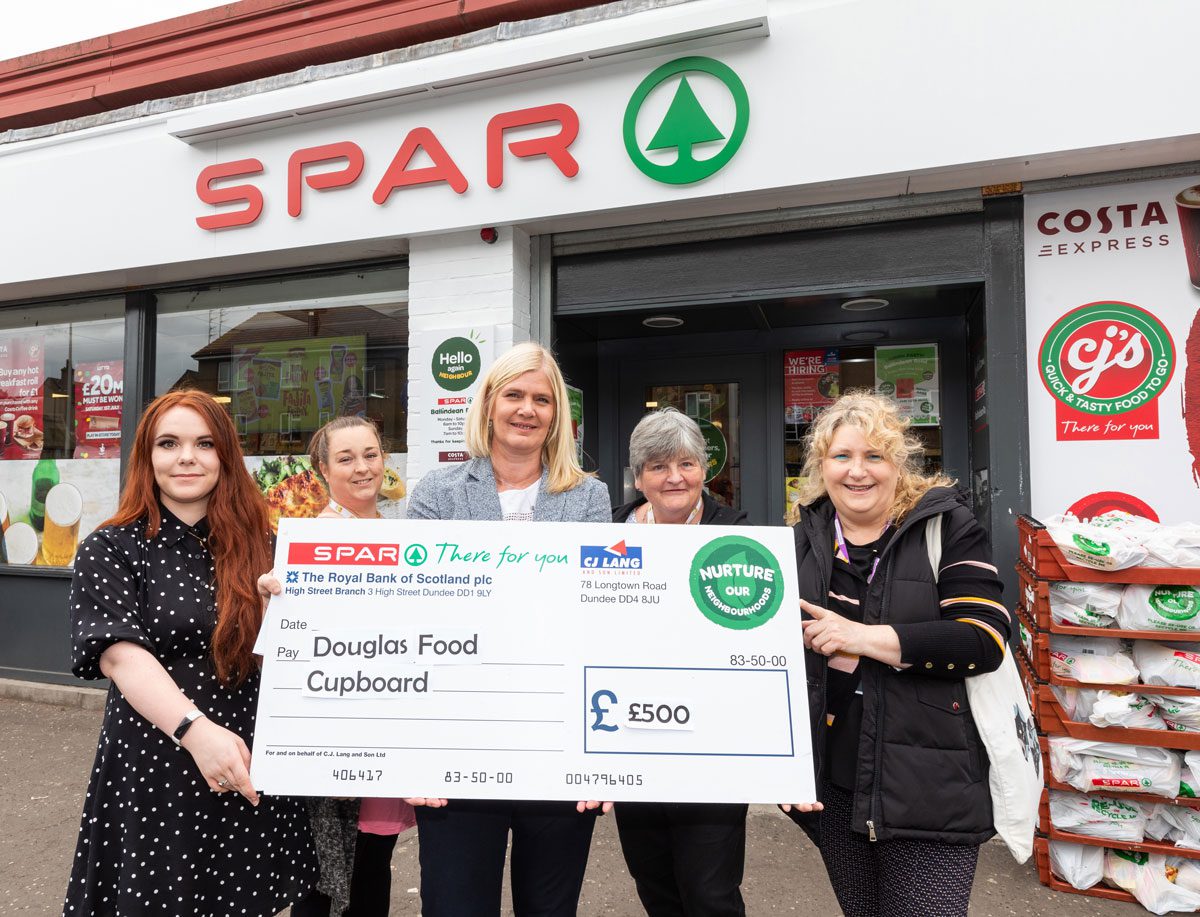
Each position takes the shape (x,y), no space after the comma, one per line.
(881,424)
(558,453)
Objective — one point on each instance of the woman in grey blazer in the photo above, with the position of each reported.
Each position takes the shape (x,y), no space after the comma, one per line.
(522,467)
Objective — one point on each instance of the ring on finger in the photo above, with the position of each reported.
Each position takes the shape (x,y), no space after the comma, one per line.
(222,783)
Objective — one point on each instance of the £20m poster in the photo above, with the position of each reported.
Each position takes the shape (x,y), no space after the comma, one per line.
(1113,344)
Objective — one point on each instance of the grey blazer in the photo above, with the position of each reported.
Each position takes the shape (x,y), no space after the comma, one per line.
(468,491)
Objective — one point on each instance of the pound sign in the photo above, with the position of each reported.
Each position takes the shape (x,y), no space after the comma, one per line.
(600,711)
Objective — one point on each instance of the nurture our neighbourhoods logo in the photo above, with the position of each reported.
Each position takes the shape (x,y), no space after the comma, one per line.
(619,556)
(1106,359)
(736,582)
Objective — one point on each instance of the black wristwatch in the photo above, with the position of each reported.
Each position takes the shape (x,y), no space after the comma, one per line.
(184,725)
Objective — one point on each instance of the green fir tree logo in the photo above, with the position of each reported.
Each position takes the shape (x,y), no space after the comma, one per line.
(686,125)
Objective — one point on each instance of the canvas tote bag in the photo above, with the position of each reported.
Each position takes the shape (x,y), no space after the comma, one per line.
(1001,713)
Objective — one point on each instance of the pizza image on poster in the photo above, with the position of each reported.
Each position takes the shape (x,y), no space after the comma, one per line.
(1106,363)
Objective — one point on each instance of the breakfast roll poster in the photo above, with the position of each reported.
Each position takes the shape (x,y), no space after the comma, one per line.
(99,392)
(22,370)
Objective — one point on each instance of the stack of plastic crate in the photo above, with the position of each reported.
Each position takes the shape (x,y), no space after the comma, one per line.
(1041,563)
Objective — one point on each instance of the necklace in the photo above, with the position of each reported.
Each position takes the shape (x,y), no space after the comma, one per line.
(688,521)
(520,484)
(349,513)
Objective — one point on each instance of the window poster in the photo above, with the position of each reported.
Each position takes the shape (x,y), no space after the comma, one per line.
(575,396)
(460,358)
(291,388)
(811,381)
(909,374)
(99,394)
(22,371)
(48,505)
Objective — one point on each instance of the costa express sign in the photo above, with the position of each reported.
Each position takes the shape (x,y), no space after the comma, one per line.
(1105,364)
(687,147)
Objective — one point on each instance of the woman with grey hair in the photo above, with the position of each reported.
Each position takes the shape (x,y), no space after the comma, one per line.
(685,858)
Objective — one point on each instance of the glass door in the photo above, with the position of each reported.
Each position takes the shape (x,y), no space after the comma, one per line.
(726,396)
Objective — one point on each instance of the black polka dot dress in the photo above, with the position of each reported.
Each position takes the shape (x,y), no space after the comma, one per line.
(154,839)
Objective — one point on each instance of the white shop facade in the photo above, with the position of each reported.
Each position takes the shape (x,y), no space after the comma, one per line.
(736,208)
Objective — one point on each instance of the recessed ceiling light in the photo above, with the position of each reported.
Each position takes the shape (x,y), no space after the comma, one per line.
(864,335)
(662,321)
(865,304)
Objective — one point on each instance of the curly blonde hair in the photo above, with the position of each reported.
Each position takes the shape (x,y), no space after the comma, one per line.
(881,424)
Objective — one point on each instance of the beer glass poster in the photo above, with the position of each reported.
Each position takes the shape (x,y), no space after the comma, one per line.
(1113,347)
(46,506)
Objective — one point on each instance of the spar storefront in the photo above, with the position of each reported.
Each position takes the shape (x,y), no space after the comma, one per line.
(708,204)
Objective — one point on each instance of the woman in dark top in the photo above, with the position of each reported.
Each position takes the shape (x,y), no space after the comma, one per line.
(685,858)
(901,770)
(163,603)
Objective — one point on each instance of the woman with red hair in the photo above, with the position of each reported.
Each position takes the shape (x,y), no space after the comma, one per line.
(164,604)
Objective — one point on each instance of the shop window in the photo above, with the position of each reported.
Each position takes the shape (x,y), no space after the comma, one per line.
(814,378)
(286,357)
(61,396)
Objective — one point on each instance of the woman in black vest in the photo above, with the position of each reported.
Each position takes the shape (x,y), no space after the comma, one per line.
(901,770)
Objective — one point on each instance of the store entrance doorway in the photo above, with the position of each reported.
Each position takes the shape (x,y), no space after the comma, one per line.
(727,398)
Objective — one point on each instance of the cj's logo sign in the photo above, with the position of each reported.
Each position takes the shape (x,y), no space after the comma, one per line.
(686,127)
(1107,358)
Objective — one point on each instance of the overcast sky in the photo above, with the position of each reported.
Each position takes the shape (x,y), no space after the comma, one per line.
(49,23)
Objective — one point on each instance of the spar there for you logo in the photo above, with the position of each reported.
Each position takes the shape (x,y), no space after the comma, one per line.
(1105,364)
(736,582)
(686,120)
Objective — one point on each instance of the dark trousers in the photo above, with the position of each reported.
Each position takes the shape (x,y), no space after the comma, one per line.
(462,857)
(686,859)
(897,878)
(370,883)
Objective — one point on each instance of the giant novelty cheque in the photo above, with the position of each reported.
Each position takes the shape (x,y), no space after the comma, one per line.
(535,661)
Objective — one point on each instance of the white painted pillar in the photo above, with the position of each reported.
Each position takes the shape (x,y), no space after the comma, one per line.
(454,281)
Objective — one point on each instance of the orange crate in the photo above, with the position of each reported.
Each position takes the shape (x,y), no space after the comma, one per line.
(1164,847)
(1131,689)
(1027,634)
(1034,598)
(1042,556)
(1052,784)
(1030,683)
(1053,721)
(1041,853)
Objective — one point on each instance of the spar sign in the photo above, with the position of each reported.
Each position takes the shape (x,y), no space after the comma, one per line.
(1106,363)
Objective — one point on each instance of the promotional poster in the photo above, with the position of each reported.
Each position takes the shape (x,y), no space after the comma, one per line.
(1112,276)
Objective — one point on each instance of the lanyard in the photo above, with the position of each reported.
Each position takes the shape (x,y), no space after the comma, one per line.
(694,513)
(842,550)
(345,513)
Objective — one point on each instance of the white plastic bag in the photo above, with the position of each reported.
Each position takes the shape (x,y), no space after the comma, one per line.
(1146,877)
(1157,827)
(1126,710)
(1109,767)
(1174,546)
(1098,816)
(1079,865)
(1165,608)
(1181,714)
(1187,873)
(1097,546)
(1096,660)
(1077,703)
(1175,664)
(1185,825)
(1086,604)
(1188,787)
